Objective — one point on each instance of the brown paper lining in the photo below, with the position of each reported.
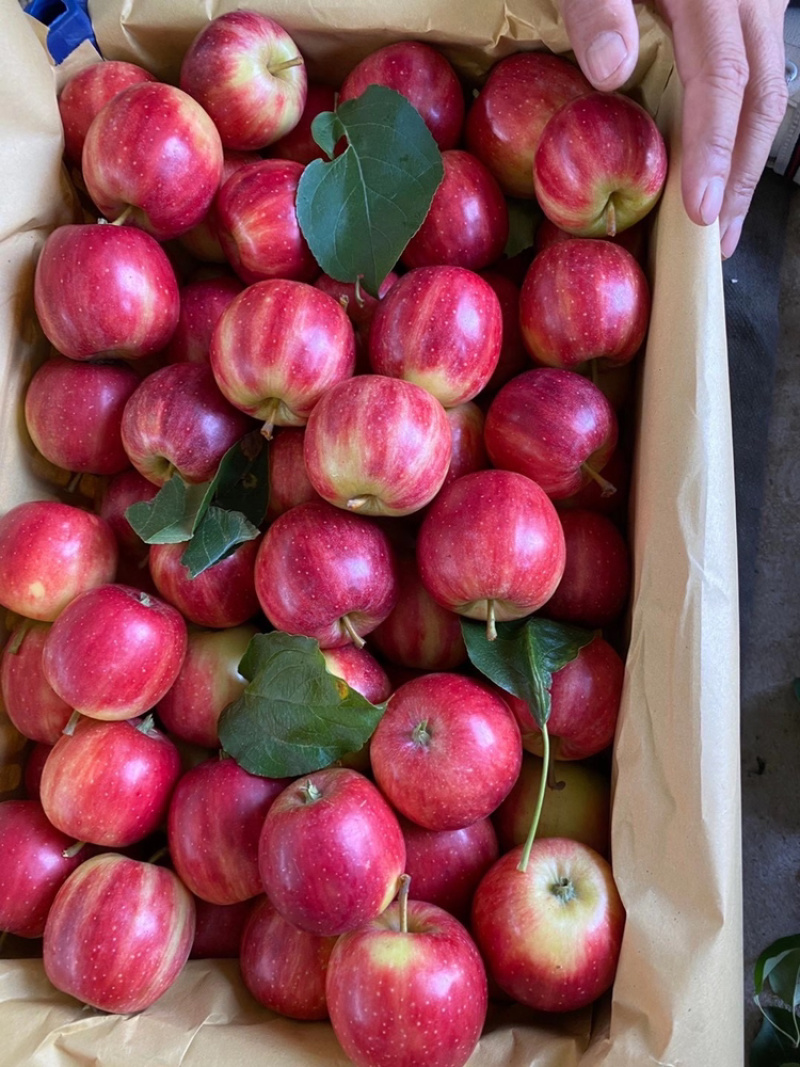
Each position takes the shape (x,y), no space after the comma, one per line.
(676,819)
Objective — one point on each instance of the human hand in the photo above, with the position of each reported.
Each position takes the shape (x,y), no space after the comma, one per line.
(730,57)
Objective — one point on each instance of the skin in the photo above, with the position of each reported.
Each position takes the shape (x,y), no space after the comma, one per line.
(730,57)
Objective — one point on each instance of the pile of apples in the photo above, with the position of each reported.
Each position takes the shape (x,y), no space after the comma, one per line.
(442,448)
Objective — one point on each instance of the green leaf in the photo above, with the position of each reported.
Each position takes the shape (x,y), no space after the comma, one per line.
(771,1047)
(242,480)
(293,717)
(173,513)
(524,656)
(524,217)
(217,535)
(778,969)
(359,211)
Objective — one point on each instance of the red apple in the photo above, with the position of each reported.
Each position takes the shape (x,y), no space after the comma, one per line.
(491,547)
(215,819)
(441,328)
(115,652)
(288,478)
(325,573)
(446,752)
(278,347)
(119,272)
(218,929)
(360,670)
(202,304)
(584,300)
(506,121)
(284,967)
(73,412)
(409,987)
(126,488)
(202,241)
(377,445)
(34,866)
(594,588)
(118,933)
(600,165)
(550,935)
(467,223)
(554,426)
(177,420)
(257,223)
(154,154)
(248,74)
(422,75)
(513,357)
(577,805)
(632,240)
(49,553)
(85,94)
(33,706)
(445,866)
(468,452)
(207,682)
(110,782)
(299,144)
(331,852)
(357,302)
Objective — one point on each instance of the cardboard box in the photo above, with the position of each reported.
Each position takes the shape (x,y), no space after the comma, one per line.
(677,999)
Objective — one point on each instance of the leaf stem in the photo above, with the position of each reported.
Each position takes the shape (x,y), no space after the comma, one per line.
(402,900)
(526,852)
(607,488)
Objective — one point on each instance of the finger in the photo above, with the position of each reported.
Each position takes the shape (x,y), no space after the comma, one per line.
(762,113)
(605,38)
(711,60)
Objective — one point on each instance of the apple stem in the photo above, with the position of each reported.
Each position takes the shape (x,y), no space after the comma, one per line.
(526,852)
(354,636)
(491,626)
(73,483)
(18,636)
(310,792)
(552,781)
(402,900)
(355,503)
(287,64)
(607,488)
(120,220)
(73,849)
(611,219)
(74,719)
(359,293)
(269,418)
(159,854)
(146,725)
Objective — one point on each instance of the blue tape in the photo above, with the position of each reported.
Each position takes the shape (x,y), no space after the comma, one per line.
(69,24)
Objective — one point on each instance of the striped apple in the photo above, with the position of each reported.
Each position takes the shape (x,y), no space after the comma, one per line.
(85,94)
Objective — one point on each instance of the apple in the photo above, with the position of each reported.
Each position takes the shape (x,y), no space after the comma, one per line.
(114,652)
(420,74)
(418,632)
(288,478)
(73,412)
(616,472)
(49,553)
(218,929)
(202,303)
(331,852)
(554,426)
(215,818)
(505,123)
(282,966)
(445,866)
(299,144)
(327,574)
(249,76)
(550,935)
(118,933)
(408,987)
(633,239)
(596,583)
(207,682)
(360,670)
(33,706)
(110,782)
(257,225)
(491,547)
(600,165)
(278,347)
(357,302)
(439,327)
(446,752)
(122,274)
(34,765)
(202,241)
(377,445)
(34,866)
(513,358)
(577,806)
(467,222)
(584,300)
(468,451)
(153,154)
(85,94)
(120,492)
(222,595)
(177,421)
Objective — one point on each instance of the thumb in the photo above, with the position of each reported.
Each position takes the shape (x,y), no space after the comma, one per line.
(605,38)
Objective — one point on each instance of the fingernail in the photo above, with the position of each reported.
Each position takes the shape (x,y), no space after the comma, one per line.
(711,204)
(730,239)
(605,55)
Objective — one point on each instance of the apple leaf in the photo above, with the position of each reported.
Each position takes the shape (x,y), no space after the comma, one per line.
(359,211)
(524,217)
(293,717)
(777,971)
(173,513)
(242,479)
(772,1047)
(525,656)
(216,536)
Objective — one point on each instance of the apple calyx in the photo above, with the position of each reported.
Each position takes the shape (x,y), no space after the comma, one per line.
(402,901)
(352,633)
(287,64)
(147,725)
(73,849)
(309,792)
(563,890)
(526,852)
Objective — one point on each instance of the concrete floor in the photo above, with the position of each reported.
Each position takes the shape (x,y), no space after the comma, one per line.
(767,445)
